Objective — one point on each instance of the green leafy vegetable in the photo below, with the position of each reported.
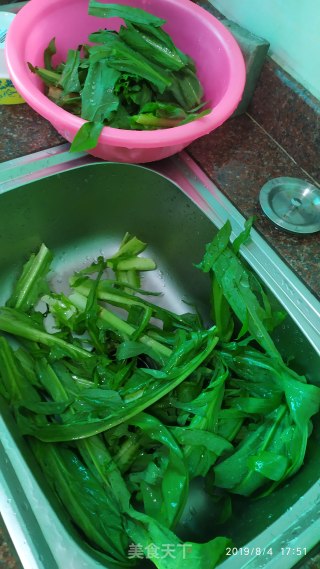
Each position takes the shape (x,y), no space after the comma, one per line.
(32,283)
(49,52)
(155,50)
(69,81)
(134,78)
(134,15)
(124,402)
(87,136)
(98,98)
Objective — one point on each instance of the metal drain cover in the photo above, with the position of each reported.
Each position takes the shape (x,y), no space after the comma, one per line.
(292,203)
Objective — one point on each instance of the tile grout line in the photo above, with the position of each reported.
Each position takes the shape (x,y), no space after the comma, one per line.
(315,182)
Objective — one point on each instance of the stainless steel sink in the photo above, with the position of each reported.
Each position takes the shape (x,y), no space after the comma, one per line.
(79,207)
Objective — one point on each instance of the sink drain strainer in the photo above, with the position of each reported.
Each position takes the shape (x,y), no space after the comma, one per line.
(292,204)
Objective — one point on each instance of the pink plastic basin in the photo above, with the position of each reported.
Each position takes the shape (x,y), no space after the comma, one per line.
(219,61)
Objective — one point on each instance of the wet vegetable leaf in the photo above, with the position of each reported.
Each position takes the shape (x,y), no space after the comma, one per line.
(69,80)
(87,137)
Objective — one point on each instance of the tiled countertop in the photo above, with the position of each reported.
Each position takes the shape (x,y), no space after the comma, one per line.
(8,557)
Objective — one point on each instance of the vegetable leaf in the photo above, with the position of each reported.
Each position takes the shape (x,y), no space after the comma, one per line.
(87,137)
(134,15)
(69,80)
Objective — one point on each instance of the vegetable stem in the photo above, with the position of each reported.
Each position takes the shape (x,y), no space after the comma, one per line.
(120,326)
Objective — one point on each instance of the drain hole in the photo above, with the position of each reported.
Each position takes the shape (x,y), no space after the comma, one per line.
(296,202)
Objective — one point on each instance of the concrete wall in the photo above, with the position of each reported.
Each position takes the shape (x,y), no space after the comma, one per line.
(291,26)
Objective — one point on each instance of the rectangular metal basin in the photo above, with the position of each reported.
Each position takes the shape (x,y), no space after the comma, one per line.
(81,207)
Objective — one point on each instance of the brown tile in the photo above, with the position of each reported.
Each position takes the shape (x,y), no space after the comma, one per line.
(23,131)
(8,556)
(290,114)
